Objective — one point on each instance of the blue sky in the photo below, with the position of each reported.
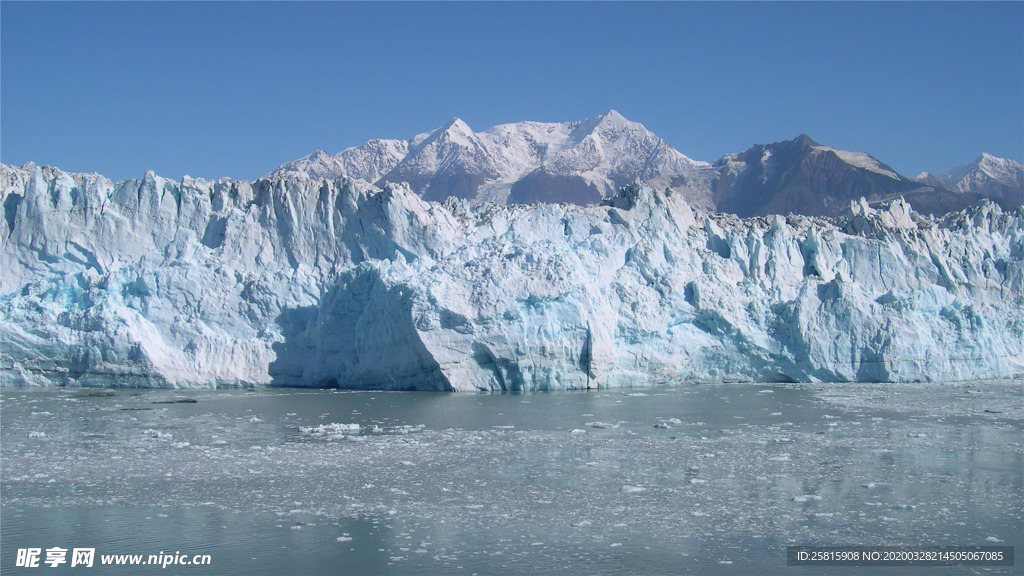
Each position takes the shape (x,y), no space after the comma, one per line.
(234,89)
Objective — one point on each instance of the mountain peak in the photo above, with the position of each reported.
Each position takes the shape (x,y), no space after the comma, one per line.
(986,162)
(613,118)
(987,159)
(584,160)
(805,140)
(457,124)
(989,175)
(605,120)
(454,128)
(578,162)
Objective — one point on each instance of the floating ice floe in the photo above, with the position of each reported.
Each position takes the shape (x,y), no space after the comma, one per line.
(328,430)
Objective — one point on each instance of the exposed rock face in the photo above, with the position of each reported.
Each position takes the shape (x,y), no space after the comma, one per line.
(297,281)
(801,176)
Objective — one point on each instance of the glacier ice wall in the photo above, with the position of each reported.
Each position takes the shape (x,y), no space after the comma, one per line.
(294,281)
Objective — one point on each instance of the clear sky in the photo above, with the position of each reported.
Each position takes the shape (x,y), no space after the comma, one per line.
(234,89)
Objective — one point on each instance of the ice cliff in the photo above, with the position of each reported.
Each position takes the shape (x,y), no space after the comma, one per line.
(296,281)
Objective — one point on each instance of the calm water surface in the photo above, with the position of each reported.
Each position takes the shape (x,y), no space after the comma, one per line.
(693,479)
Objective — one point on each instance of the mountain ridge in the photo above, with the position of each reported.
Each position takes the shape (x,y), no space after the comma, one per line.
(578,162)
(585,161)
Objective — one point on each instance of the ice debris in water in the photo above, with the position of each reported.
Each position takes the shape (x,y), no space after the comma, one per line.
(328,430)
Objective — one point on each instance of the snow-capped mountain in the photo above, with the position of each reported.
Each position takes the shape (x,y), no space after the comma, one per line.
(575,162)
(369,162)
(801,176)
(586,161)
(929,179)
(296,281)
(990,176)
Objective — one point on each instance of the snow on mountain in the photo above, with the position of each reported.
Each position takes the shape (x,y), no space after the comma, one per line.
(576,162)
(586,161)
(300,281)
(450,161)
(929,179)
(860,160)
(800,176)
(369,162)
(996,177)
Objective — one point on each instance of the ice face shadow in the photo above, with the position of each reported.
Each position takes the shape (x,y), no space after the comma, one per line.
(361,335)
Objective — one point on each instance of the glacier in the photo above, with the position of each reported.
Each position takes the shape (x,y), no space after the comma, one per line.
(292,280)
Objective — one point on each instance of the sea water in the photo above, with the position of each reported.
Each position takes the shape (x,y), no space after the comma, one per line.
(699,479)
